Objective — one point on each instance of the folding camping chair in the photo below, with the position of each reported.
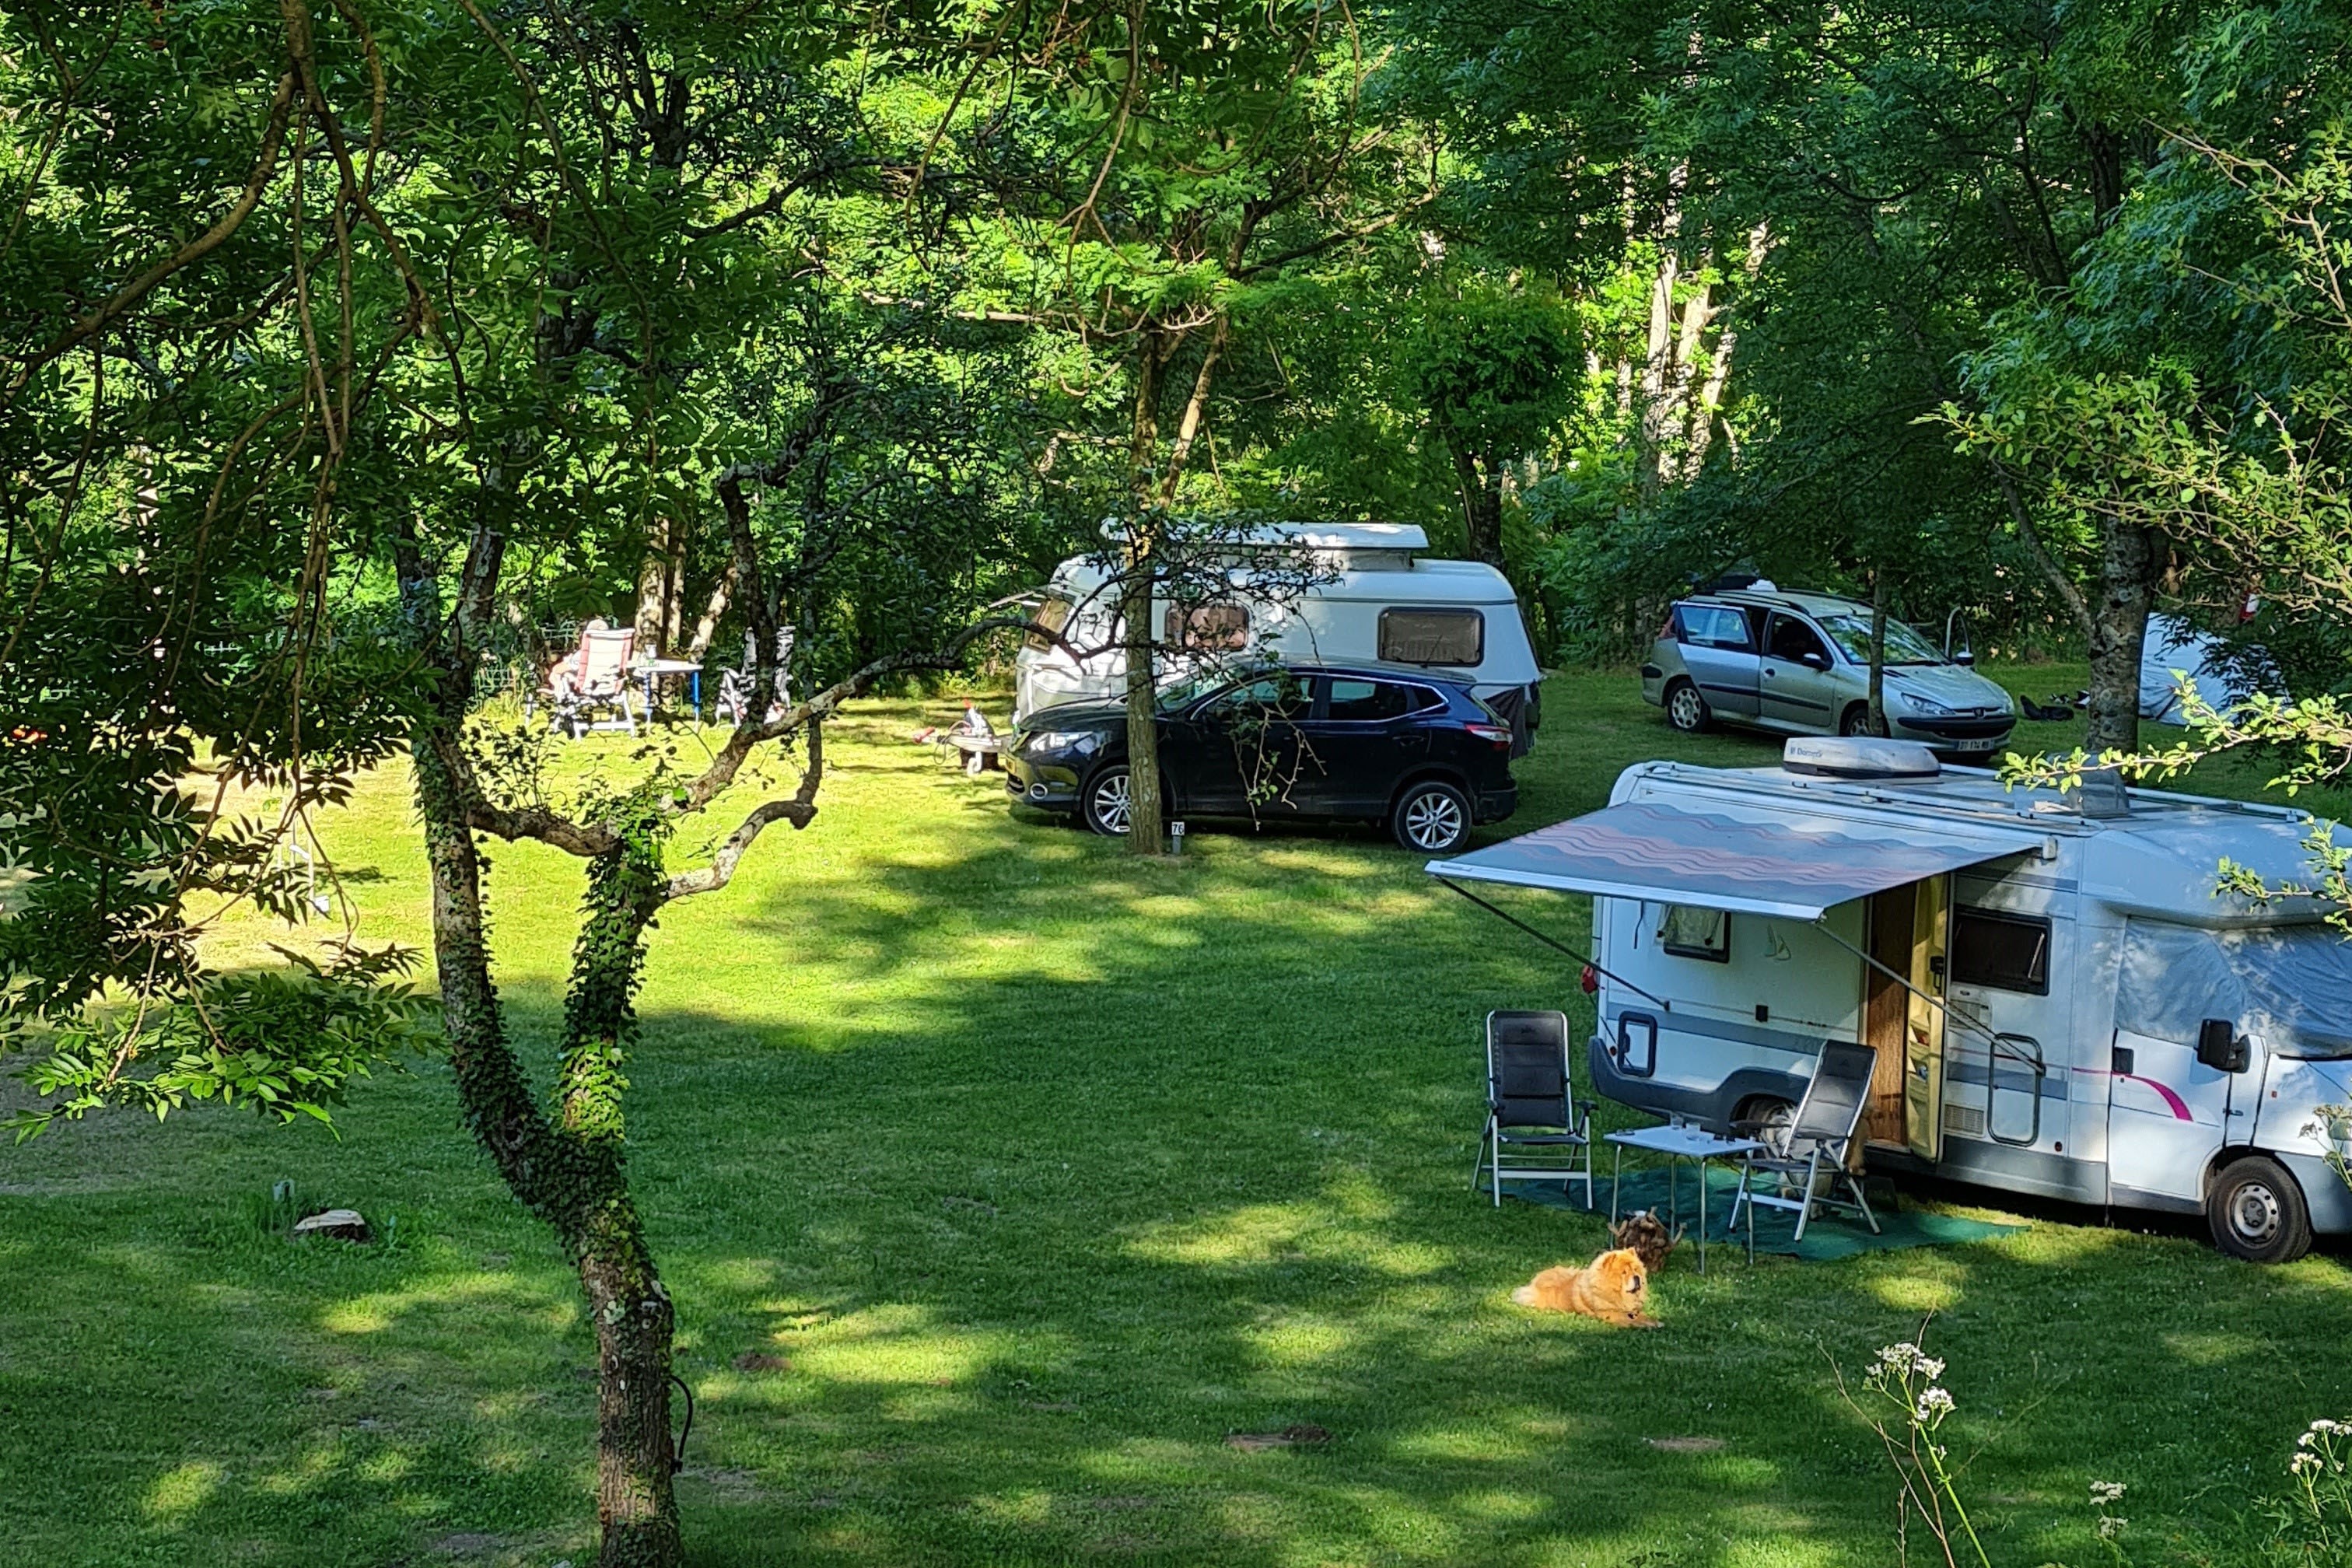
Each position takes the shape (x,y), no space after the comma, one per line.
(1816,1144)
(596,676)
(735,685)
(1531,1122)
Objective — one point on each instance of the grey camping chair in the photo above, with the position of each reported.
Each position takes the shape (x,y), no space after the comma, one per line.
(1533,1128)
(1816,1144)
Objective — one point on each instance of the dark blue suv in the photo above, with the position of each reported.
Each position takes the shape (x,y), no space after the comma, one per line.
(1397,746)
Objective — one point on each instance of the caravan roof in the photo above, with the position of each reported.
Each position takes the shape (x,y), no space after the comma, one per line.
(1337,536)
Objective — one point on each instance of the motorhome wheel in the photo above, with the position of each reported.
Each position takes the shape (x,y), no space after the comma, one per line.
(1110,801)
(1685,709)
(2257,1213)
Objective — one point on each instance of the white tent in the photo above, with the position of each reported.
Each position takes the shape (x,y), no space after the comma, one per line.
(2220,674)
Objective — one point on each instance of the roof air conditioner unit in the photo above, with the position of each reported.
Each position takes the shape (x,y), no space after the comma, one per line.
(1858,757)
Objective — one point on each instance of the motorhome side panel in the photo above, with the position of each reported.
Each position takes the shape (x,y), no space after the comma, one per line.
(1701,1014)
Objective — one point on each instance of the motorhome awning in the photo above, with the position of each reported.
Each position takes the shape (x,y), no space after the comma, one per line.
(1791,867)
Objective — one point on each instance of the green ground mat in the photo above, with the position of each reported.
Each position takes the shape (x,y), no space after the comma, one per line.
(1828,1236)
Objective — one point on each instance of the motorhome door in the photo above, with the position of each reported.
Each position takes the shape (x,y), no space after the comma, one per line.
(1922,1032)
(2006,1053)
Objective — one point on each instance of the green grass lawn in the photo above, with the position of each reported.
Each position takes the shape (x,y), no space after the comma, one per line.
(1043,1171)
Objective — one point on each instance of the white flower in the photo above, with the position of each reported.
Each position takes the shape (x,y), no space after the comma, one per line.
(2304,1464)
(1935,1404)
(1899,1358)
(1929,1367)
(2110,1526)
(2104,1492)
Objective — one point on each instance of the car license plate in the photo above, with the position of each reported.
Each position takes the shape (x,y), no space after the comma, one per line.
(1983,743)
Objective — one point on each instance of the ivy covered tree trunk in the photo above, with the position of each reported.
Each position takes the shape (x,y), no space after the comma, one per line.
(636,1501)
(569,1171)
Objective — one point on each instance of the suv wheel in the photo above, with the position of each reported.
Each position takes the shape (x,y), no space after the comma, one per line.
(1685,709)
(2257,1213)
(1109,804)
(1431,816)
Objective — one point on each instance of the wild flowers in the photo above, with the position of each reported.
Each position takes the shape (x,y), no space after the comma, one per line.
(1906,1406)
(2312,1523)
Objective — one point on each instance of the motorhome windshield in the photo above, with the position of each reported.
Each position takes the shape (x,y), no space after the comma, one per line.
(2290,985)
(1903,645)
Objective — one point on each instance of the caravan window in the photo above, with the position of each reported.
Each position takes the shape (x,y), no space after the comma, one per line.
(1690,932)
(2007,952)
(1432,636)
(1054,616)
(1223,627)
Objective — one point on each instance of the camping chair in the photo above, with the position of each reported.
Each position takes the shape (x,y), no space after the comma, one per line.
(1815,1144)
(597,675)
(735,685)
(1533,1129)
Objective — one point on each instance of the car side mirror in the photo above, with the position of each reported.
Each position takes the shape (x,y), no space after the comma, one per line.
(1815,660)
(1967,656)
(2221,1047)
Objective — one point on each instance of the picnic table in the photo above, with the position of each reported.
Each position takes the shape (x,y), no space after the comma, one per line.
(652,669)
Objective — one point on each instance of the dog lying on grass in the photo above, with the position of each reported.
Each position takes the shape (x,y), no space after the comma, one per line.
(1611,1289)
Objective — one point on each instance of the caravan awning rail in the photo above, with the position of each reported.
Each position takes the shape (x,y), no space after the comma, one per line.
(1788,865)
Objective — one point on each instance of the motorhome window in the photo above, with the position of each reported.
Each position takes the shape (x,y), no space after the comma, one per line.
(1687,932)
(1714,625)
(1793,640)
(1432,636)
(2007,952)
(1053,616)
(1365,699)
(1224,628)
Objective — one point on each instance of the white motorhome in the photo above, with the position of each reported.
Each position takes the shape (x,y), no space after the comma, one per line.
(1372,597)
(2062,1000)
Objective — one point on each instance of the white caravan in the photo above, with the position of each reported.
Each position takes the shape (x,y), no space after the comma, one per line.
(2062,1002)
(1373,600)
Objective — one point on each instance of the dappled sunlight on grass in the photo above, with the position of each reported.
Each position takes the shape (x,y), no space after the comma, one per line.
(179,1492)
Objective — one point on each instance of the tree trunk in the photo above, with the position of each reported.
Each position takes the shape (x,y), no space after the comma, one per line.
(1139,569)
(1877,654)
(653,587)
(1482,504)
(636,1500)
(2129,560)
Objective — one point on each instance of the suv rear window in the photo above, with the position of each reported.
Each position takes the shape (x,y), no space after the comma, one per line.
(1713,625)
(1432,636)
(1368,700)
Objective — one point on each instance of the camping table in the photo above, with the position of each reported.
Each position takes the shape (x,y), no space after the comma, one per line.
(652,669)
(978,752)
(1694,1144)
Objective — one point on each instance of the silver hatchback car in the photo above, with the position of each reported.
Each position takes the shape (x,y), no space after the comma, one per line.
(1799,664)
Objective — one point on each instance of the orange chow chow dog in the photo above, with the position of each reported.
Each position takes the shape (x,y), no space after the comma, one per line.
(1610,1289)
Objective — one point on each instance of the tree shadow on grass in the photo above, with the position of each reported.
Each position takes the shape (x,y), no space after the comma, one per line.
(1042,1230)
(1042,1169)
